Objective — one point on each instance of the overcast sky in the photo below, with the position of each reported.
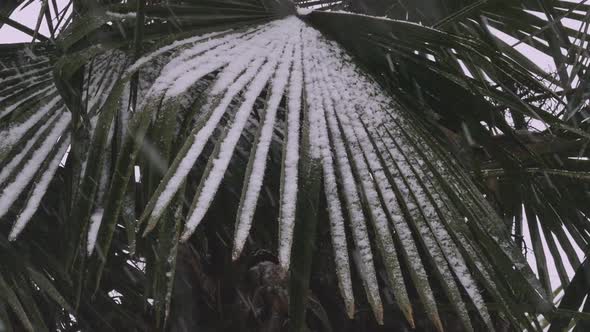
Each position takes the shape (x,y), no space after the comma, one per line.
(27,16)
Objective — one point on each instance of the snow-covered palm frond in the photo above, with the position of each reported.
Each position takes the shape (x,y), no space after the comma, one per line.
(382,174)
(34,135)
(235,97)
(35,126)
(530,195)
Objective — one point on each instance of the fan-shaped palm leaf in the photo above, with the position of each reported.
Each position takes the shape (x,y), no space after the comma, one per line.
(236,84)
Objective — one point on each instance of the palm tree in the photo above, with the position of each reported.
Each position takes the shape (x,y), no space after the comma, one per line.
(323,165)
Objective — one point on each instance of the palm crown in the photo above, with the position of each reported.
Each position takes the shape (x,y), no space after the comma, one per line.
(414,146)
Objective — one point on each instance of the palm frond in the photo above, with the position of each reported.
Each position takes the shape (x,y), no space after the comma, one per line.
(231,94)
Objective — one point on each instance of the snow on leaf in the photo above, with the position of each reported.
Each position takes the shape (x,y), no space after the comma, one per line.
(304,11)
(176,44)
(11,166)
(39,190)
(209,186)
(439,232)
(194,146)
(15,132)
(319,137)
(95,221)
(21,102)
(257,165)
(377,213)
(11,192)
(290,174)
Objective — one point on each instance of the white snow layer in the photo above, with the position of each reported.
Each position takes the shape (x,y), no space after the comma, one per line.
(304,11)
(291,157)
(39,190)
(254,181)
(14,162)
(16,131)
(121,15)
(45,92)
(320,140)
(95,221)
(211,184)
(11,192)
